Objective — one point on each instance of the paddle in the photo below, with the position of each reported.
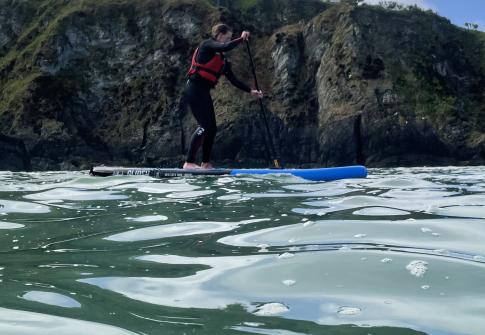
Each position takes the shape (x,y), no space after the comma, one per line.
(275,160)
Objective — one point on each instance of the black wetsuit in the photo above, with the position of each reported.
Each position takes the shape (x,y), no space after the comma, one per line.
(197,96)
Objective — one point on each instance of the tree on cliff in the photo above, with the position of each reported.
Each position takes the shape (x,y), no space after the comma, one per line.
(352,2)
(471,26)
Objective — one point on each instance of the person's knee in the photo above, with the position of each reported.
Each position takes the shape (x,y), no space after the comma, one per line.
(200,131)
(208,129)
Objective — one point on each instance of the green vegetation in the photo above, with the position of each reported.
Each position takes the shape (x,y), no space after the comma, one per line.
(242,5)
(18,65)
(294,10)
(395,6)
(471,26)
(435,67)
(16,90)
(352,2)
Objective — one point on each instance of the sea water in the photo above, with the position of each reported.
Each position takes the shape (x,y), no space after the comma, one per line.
(400,252)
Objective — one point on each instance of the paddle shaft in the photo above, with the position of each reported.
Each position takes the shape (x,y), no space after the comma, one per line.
(269,147)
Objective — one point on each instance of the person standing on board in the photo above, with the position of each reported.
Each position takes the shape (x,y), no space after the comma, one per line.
(208,64)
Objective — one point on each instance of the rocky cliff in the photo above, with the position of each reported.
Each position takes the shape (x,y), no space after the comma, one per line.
(85,82)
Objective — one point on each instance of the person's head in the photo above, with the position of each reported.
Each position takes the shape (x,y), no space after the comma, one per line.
(222,33)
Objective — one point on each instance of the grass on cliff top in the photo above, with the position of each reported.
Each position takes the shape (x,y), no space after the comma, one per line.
(414,9)
(272,7)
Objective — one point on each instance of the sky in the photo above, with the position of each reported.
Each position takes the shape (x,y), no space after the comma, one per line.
(458,11)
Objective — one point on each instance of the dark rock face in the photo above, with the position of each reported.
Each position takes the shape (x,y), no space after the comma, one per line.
(99,82)
(13,154)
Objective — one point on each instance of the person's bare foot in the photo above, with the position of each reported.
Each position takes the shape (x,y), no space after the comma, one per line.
(206,166)
(190,166)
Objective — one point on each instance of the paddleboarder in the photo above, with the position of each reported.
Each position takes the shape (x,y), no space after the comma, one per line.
(208,64)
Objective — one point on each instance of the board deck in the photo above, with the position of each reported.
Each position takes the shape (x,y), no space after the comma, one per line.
(319,174)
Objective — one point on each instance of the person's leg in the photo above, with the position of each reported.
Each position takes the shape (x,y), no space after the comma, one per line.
(210,134)
(191,96)
(195,144)
(200,103)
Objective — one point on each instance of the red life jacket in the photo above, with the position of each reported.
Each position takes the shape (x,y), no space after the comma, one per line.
(211,70)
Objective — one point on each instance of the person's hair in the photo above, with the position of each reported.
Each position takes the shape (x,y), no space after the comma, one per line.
(220,28)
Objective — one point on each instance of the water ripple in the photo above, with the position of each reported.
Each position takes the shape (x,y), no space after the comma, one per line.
(256,254)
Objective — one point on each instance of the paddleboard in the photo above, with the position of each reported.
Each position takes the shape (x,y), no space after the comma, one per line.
(319,174)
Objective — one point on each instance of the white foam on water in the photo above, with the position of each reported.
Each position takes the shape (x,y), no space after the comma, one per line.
(148,218)
(417,268)
(425,287)
(360,235)
(263,247)
(308,223)
(386,260)
(7,206)
(271,309)
(349,311)
(286,255)
(253,324)
(225,180)
(426,230)
(289,282)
